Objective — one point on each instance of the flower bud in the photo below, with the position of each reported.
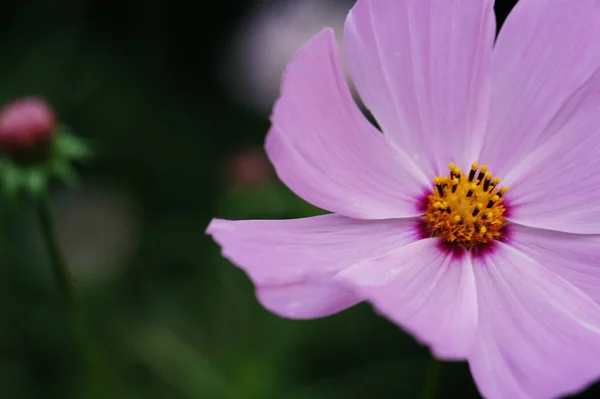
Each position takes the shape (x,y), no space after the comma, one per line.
(247,168)
(26,124)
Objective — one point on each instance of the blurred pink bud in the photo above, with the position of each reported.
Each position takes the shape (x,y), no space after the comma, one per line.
(248,167)
(25,124)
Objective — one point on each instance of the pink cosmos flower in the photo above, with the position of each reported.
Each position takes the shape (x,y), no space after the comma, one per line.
(508,280)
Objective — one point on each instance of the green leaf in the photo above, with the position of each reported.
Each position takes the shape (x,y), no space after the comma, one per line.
(11,180)
(71,147)
(35,182)
(65,172)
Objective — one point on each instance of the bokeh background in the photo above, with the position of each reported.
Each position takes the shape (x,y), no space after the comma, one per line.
(174,98)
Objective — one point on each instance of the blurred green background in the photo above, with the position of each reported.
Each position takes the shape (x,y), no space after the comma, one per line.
(174,98)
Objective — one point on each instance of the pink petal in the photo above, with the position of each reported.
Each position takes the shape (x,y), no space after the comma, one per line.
(292,262)
(420,66)
(546,51)
(538,335)
(557,185)
(327,152)
(425,289)
(574,257)
(306,300)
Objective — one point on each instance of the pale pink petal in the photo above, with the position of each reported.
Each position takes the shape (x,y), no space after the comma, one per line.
(557,185)
(292,262)
(546,52)
(574,257)
(538,335)
(285,251)
(420,66)
(306,300)
(327,152)
(427,290)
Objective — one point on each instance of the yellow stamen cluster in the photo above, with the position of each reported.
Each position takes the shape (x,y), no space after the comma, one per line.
(466,209)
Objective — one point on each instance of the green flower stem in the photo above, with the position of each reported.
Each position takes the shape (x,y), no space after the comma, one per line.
(66,287)
(434,372)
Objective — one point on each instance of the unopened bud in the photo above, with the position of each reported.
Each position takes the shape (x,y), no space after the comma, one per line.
(34,149)
(26,124)
(248,167)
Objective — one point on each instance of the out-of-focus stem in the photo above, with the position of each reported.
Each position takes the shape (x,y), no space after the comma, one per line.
(434,371)
(66,287)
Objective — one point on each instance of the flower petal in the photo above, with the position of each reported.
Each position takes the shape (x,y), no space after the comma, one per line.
(557,185)
(420,66)
(538,335)
(327,152)
(425,289)
(545,52)
(292,262)
(574,257)
(306,300)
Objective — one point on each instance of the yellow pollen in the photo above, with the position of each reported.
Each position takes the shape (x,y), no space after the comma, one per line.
(466,209)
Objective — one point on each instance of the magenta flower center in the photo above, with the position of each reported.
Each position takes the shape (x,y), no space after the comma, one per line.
(466,209)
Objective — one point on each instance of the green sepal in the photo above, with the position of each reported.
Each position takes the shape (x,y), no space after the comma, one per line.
(33,176)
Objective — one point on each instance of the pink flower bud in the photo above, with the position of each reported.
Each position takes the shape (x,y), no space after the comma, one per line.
(25,124)
(248,167)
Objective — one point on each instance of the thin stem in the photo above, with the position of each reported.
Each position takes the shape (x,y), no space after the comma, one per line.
(66,287)
(434,371)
